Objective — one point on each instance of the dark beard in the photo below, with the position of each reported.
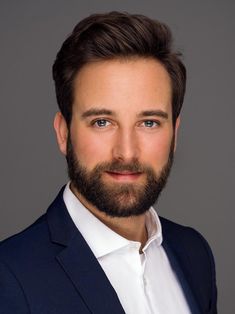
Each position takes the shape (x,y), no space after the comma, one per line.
(118,199)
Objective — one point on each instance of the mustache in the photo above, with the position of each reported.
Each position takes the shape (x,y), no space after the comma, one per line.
(113,166)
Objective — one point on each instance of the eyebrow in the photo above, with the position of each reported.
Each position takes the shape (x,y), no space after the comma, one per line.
(158,113)
(103,111)
(96,112)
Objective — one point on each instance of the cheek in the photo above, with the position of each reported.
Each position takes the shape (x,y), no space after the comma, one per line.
(156,150)
(90,149)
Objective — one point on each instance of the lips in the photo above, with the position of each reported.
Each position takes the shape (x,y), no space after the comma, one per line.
(124,175)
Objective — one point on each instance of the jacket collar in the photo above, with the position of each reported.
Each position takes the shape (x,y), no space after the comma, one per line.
(177,253)
(79,263)
(83,269)
(193,305)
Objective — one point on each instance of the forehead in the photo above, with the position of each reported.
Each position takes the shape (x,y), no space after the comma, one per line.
(120,85)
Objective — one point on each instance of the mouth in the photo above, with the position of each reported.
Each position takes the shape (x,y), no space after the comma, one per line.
(124,175)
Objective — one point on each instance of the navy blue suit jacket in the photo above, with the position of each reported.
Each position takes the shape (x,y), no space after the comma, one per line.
(49,269)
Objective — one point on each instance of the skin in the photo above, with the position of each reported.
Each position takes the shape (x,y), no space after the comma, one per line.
(121,111)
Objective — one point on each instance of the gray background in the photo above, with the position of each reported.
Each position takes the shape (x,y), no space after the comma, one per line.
(200,192)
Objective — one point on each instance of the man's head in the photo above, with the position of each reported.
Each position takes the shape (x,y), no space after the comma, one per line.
(115,35)
(120,89)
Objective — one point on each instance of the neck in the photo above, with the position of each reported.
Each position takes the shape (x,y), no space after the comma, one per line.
(132,228)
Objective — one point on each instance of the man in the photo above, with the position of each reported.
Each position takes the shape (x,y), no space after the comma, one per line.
(101,247)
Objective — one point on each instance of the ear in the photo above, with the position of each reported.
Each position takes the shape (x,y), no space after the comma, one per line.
(177,123)
(61,130)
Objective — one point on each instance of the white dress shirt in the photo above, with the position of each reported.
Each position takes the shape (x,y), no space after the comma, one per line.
(145,283)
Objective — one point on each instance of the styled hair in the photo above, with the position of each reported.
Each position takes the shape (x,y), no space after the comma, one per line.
(115,35)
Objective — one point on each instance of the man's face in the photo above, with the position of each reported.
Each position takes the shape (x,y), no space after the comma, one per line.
(120,144)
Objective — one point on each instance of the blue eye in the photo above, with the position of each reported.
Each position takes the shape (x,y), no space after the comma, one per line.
(101,123)
(151,123)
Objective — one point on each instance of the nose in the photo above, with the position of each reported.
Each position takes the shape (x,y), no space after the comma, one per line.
(126,146)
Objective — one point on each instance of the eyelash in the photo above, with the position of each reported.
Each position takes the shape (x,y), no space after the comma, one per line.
(94,123)
(155,122)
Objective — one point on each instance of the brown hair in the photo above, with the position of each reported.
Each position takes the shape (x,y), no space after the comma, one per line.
(116,35)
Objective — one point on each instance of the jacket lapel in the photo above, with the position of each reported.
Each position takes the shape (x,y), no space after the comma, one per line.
(85,272)
(79,263)
(175,264)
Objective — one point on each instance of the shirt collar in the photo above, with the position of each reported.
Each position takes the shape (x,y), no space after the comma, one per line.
(101,239)
(154,228)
